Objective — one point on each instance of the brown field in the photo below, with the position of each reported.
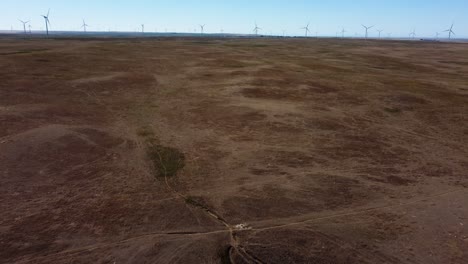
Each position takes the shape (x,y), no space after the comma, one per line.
(233,151)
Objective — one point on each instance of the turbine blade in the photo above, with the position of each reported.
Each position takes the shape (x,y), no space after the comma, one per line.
(48,12)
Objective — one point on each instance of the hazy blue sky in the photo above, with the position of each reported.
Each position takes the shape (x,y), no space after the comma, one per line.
(327,17)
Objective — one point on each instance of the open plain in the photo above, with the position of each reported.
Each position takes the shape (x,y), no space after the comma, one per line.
(233,151)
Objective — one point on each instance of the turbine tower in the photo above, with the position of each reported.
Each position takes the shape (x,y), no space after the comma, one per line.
(413,34)
(307,31)
(202,29)
(380,32)
(450,31)
(84,26)
(256,29)
(47,22)
(367,30)
(24,25)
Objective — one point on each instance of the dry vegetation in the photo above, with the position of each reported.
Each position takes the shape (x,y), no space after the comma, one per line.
(157,151)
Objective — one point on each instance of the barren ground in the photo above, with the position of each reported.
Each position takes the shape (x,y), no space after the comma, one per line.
(155,151)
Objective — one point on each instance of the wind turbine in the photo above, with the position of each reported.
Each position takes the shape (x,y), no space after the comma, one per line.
(24,25)
(413,34)
(380,31)
(450,31)
(367,30)
(437,35)
(84,25)
(342,32)
(202,28)
(143,28)
(30,28)
(47,22)
(307,31)
(256,29)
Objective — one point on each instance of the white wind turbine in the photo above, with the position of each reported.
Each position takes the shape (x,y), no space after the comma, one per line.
(47,22)
(24,25)
(450,31)
(84,26)
(413,34)
(307,31)
(256,29)
(202,29)
(367,30)
(380,32)
(343,31)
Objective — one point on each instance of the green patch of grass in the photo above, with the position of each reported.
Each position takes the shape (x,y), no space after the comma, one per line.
(166,161)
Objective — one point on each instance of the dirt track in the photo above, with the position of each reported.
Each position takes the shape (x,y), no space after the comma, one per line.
(329,151)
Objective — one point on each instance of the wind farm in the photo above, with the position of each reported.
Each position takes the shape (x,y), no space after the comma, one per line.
(255,33)
(142,141)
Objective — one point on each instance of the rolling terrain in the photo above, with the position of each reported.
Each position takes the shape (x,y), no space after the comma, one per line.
(192,150)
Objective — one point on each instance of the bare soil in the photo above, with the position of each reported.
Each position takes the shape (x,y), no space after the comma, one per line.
(233,151)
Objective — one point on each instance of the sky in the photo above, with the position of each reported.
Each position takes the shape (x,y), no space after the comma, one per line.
(395,17)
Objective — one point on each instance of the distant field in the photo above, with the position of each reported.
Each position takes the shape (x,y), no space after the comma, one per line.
(196,150)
